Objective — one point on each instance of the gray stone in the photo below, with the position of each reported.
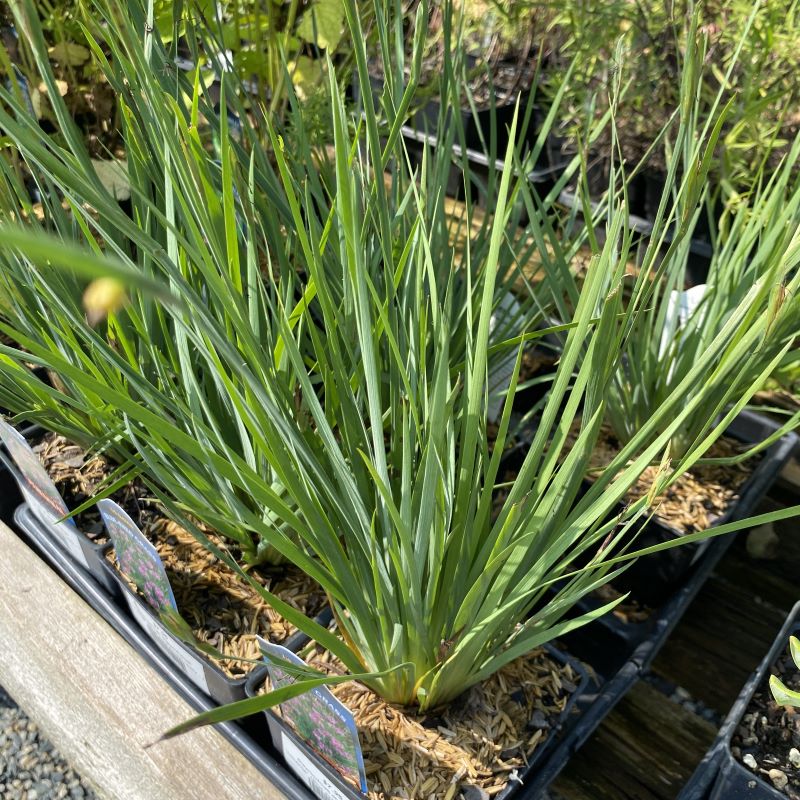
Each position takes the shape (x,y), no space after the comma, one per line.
(778,778)
(30,767)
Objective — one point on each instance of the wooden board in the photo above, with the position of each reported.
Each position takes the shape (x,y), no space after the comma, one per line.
(790,475)
(98,701)
(639,753)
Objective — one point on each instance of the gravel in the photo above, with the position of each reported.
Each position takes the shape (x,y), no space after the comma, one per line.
(30,768)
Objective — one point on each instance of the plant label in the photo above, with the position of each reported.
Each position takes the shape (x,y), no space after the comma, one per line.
(308,771)
(137,557)
(502,324)
(321,721)
(35,484)
(180,655)
(41,495)
(681,306)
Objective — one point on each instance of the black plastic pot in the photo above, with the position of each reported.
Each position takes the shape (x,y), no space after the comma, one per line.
(477,127)
(541,175)
(644,189)
(10,495)
(192,665)
(70,540)
(652,579)
(250,739)
(325,781)
(720,776)
(621,661)
(700,251)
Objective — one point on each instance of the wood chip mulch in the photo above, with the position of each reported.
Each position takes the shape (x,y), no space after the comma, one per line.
(220,607)
(699,496)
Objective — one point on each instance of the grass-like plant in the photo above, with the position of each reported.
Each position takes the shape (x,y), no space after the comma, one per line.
(781,693)
(367,400)
(755,260)
(248,233)
(747,312)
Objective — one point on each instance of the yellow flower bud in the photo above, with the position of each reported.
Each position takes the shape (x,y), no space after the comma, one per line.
(102,297)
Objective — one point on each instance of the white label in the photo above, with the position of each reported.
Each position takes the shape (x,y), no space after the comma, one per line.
(137,558)
(40,493)
(69,540)
(192,667)
(680,307)
(506,318)
(308,772)
(36,484)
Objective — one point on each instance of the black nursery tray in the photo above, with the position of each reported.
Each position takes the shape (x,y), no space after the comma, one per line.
(652,580)
(249,736)
(720,776)
(327,782)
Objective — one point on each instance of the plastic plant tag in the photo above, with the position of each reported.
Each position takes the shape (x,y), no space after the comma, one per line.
(311,775)
(679,310)
(155,627)
(36,485)
(137,557)
(321,721)
(501,367)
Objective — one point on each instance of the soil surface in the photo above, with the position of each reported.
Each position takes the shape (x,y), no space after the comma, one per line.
(471,749)
(767,741)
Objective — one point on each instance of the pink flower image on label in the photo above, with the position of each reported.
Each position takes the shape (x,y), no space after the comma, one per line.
(318,718)
(137,557)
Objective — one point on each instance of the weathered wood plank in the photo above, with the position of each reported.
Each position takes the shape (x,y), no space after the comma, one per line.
(97,699)
(645,750)
(733,621)
(772,581)
(790,474)
(726,633)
